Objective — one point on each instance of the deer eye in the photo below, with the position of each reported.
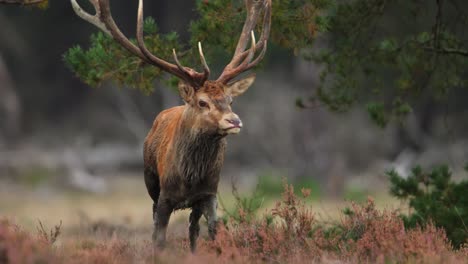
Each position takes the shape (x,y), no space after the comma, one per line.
(202,104)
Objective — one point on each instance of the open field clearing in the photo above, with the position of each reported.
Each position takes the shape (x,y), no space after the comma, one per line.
(116,227)
(305,131)
(127,205)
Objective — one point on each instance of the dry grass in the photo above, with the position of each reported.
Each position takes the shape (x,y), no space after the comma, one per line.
(288,232)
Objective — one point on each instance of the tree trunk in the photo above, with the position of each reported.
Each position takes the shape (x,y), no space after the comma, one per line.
(10,108)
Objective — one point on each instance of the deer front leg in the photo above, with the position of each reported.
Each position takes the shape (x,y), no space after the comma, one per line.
(209,211)
(161,219)
(194,228)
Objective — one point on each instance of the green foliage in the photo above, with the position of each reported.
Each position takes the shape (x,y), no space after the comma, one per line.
(357,220)
(309,183)
(377,113)
(245,207)
(434,197)
(43,5)
(271,186)
(36,176)
(355,195)
(388,54)
(294,26)
(106,60)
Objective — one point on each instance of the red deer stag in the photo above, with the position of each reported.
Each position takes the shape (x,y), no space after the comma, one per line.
(184,150)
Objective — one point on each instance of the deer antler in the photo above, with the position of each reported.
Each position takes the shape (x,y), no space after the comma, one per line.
(104,21)
(242,59)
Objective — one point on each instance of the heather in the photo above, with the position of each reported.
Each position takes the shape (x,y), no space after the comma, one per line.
(289,232)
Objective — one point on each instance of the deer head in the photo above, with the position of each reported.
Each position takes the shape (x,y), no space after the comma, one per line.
(208,101)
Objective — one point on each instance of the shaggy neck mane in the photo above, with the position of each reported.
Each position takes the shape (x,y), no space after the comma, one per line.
(199,153)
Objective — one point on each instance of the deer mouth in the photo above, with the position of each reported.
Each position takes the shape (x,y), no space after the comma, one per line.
(233,129)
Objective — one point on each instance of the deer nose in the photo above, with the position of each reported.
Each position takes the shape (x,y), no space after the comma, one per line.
(235,122)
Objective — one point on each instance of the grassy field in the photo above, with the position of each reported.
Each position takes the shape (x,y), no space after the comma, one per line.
(127,205)
(116,227)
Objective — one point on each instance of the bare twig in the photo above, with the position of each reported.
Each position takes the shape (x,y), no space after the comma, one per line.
(51,237)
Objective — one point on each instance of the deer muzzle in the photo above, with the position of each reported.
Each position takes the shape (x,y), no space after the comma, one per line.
(231,123)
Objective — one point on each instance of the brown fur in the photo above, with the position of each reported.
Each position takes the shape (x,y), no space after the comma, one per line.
(187,163)
(183,156)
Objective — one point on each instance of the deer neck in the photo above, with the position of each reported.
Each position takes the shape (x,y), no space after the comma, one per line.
(199,153)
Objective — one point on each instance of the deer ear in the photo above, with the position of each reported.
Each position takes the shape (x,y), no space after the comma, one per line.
(186,91)
(239,87)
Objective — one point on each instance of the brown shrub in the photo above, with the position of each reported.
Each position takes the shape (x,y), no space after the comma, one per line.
(19,247)
(51,236)
(365,234)
(288,233)
(369,235)
(283,234)
(115,251)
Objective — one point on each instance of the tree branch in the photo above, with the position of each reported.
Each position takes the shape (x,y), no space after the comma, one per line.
(438,23)
(22,2)
(460,52)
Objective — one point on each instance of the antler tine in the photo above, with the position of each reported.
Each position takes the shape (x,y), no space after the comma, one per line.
(105,17)
(206,69)
(242,59)
(90,18)
(104,21)
(261,43)
(177,69)
(253,10)
(250,53)
(176,59)
(252,48)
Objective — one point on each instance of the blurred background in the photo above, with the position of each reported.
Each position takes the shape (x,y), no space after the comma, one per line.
(71,152)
